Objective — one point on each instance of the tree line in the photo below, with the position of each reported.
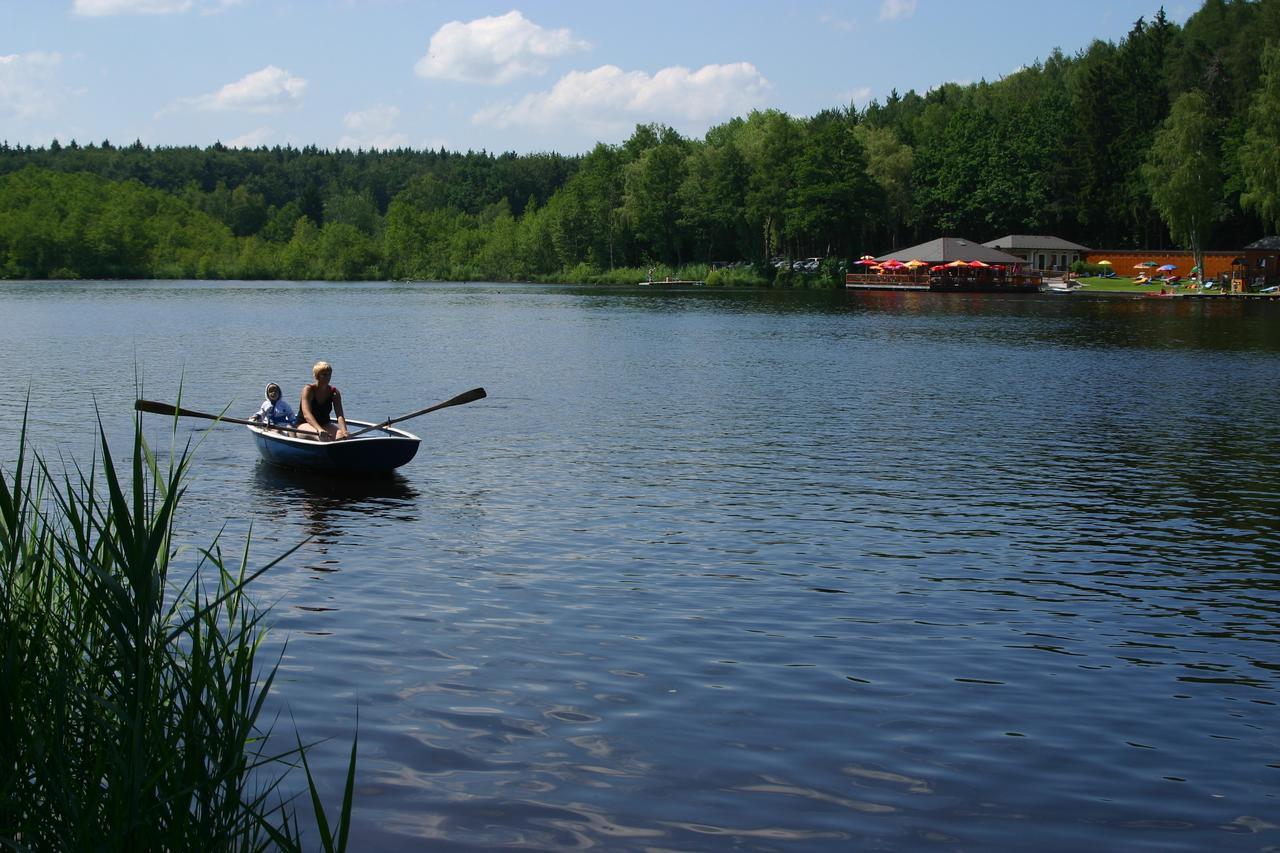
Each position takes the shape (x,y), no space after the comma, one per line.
(1169,137)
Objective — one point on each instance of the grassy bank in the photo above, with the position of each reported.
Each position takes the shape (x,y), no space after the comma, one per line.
(739,275)
(129,707)
(1124,284)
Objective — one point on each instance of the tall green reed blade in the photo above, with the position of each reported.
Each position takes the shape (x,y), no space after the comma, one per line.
(130,709)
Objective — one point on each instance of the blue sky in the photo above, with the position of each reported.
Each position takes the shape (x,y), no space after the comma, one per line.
(520,75)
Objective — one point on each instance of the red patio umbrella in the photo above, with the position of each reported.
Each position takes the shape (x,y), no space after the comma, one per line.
(977,264)
(892,264)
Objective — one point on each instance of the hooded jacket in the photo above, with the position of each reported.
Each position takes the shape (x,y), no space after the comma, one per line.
(278,413)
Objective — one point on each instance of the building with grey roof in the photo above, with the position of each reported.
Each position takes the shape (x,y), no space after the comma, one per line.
(946,249)
(1042,252)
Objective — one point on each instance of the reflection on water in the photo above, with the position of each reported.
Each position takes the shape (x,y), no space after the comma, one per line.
(332,506)
(357,493)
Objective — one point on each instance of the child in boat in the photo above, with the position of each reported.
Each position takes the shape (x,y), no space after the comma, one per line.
(275,410)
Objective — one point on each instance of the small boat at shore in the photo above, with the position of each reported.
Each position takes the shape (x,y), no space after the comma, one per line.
(1060,286)
(378,451)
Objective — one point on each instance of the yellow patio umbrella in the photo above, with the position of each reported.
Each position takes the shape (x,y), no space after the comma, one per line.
(1104,263)
(916,263)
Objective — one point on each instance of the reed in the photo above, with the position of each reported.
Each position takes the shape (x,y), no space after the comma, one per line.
(130,705)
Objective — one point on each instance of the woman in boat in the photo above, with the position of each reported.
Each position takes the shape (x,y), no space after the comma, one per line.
(319,404)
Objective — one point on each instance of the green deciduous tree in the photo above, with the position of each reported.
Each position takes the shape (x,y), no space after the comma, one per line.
(889,163)
(652,195)
(833,202)
(1183,172)
(1259,156)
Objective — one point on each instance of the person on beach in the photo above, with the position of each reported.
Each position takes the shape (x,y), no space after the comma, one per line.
(274,410)
(320,402)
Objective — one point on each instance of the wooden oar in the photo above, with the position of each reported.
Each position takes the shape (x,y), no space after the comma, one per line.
(465,397)
(171,410)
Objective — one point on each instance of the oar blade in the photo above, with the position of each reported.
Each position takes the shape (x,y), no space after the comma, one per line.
(468,397)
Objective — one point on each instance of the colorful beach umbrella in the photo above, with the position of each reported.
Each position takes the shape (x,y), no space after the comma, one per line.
(1147,264)
(1166,267)
(892,264)
(977,264)
(1104,263)
(958,264)
(913,264)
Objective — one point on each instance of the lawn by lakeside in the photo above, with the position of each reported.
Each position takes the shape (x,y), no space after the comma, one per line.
(1125,284)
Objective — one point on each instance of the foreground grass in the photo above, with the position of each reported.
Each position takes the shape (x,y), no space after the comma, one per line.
(129,710)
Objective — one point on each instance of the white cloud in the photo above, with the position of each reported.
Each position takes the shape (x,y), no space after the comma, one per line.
(28,84)
(380,118)
(608,99)
(266,90)
(373,128)
(99,8)
(254,138)
(859,97)
(891,9)
(220,6)
(494,50)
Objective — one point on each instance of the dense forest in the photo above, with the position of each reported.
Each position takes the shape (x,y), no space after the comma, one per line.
(1169,138)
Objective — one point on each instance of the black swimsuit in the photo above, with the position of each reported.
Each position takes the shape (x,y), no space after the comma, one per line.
(323,411)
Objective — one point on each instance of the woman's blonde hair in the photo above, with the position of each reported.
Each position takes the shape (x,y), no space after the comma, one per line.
(321,367)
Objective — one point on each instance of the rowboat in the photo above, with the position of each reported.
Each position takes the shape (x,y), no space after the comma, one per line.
(378,451)
(370,449)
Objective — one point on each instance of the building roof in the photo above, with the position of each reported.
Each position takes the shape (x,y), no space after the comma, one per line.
(1265,243)
(947,249)
(1035,241)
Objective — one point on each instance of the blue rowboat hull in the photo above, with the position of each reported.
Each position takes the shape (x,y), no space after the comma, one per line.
(376,452)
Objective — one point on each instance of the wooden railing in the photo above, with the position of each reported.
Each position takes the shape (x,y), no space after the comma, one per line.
(888,279)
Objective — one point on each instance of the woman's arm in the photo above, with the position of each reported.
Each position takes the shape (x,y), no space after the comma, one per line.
(337,410)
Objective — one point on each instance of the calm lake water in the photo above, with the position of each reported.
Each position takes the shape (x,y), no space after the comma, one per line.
(738,570)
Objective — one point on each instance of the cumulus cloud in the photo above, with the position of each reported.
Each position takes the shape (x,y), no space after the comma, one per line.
(891,9)
(28,84)
(100,8)
(254,138)
(859,97)
(267,90)
(608,99)
(373,128)
(494,50)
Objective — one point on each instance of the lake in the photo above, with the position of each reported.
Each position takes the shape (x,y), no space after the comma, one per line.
(745,570)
